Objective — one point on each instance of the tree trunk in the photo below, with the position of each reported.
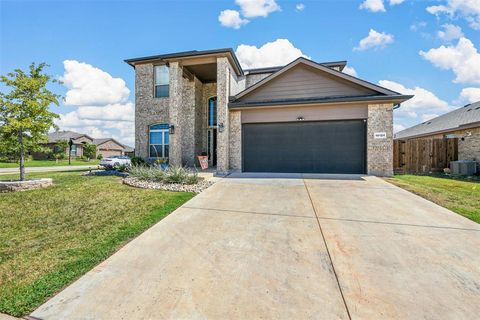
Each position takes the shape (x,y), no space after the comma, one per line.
(22,156)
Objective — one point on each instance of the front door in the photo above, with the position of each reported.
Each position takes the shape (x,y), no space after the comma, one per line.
(212,146)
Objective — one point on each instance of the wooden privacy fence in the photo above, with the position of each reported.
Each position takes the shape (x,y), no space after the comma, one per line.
(424,155)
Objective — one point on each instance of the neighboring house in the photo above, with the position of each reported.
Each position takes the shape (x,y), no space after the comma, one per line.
(462,123)
(105,147)
(78,139)
(108,147)
(302,117)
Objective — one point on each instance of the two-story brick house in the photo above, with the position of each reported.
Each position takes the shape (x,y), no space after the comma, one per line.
(303,117)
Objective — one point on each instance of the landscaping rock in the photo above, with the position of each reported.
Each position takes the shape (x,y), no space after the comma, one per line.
(15,185)
(195,188)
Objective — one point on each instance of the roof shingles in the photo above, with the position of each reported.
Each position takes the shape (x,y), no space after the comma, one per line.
(454,120)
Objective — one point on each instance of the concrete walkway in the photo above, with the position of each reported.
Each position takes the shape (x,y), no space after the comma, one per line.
(47,169)
(289,247)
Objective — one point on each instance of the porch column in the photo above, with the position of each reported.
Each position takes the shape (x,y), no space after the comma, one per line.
(174,112)
(223,80)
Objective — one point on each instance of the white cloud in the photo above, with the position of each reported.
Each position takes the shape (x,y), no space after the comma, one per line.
(350,70)
(110,112)
(88,85)
(463,59)
(300,7)
(231,19)
(423,105)
(373,5)
(428,116)
(467,9)
(276,53)
(101,102)
(418,25)
(374,40)
(395,2)
(469,95)
(450,32)
(257,8)
(398,127)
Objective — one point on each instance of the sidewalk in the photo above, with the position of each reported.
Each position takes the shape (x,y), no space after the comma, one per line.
(4,171)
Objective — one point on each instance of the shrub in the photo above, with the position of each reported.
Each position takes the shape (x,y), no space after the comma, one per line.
(100,157)
(89,151)
(170,175)
(136,161)
(122,167)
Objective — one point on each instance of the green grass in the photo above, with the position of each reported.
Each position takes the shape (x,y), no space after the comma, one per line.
(50,163)
(50,237)
(459,195)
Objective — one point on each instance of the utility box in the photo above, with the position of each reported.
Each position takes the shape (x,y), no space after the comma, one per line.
(463,167)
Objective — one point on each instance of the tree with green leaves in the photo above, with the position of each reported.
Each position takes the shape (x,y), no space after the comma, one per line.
(24,115)
(89,151)
(59,149)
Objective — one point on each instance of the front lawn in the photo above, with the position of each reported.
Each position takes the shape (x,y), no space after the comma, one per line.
(50,237)
(50,163)
(459,195)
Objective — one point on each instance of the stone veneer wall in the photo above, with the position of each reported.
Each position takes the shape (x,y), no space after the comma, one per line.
(223,92)
(235,152)
(175,113)
(380,151)
(148,110)
(254,78)
(469,147)
(186,122)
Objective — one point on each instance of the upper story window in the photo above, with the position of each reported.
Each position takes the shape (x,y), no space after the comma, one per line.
(212,112)
(162,79)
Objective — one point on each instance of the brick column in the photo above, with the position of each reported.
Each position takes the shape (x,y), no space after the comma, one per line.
(174,113)
(223,77)
(380,151)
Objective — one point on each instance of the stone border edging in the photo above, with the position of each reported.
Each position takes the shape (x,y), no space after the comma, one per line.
(195,188)
(16,185)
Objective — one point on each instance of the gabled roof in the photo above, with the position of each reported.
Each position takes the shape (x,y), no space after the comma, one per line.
(301,60)
(100,141)
(464,117)
(65,136)
(333,64)
(372,91)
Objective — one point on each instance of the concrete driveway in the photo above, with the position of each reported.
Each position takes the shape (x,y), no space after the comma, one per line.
(289,247)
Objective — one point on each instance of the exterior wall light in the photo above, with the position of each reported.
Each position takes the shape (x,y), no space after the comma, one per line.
(221,127)
(171,129)
(300,118)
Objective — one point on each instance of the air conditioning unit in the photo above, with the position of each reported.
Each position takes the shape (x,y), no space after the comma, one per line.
(463,167)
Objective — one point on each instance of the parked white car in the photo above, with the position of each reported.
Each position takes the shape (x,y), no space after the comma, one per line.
(110,162)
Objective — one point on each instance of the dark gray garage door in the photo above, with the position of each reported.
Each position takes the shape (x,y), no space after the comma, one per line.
(308,147)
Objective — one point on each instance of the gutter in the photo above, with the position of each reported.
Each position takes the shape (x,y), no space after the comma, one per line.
(257,104)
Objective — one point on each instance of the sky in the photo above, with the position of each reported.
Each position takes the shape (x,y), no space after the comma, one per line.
(425,48)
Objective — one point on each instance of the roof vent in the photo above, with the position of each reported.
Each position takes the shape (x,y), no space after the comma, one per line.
(469,110)
(467,105)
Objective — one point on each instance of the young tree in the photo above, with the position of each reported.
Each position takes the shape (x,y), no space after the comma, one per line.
(59,149)
(89,151)
(24,115)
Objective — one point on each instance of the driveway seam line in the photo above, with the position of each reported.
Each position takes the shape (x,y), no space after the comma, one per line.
(328,251)
(399,224)
(249,212)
